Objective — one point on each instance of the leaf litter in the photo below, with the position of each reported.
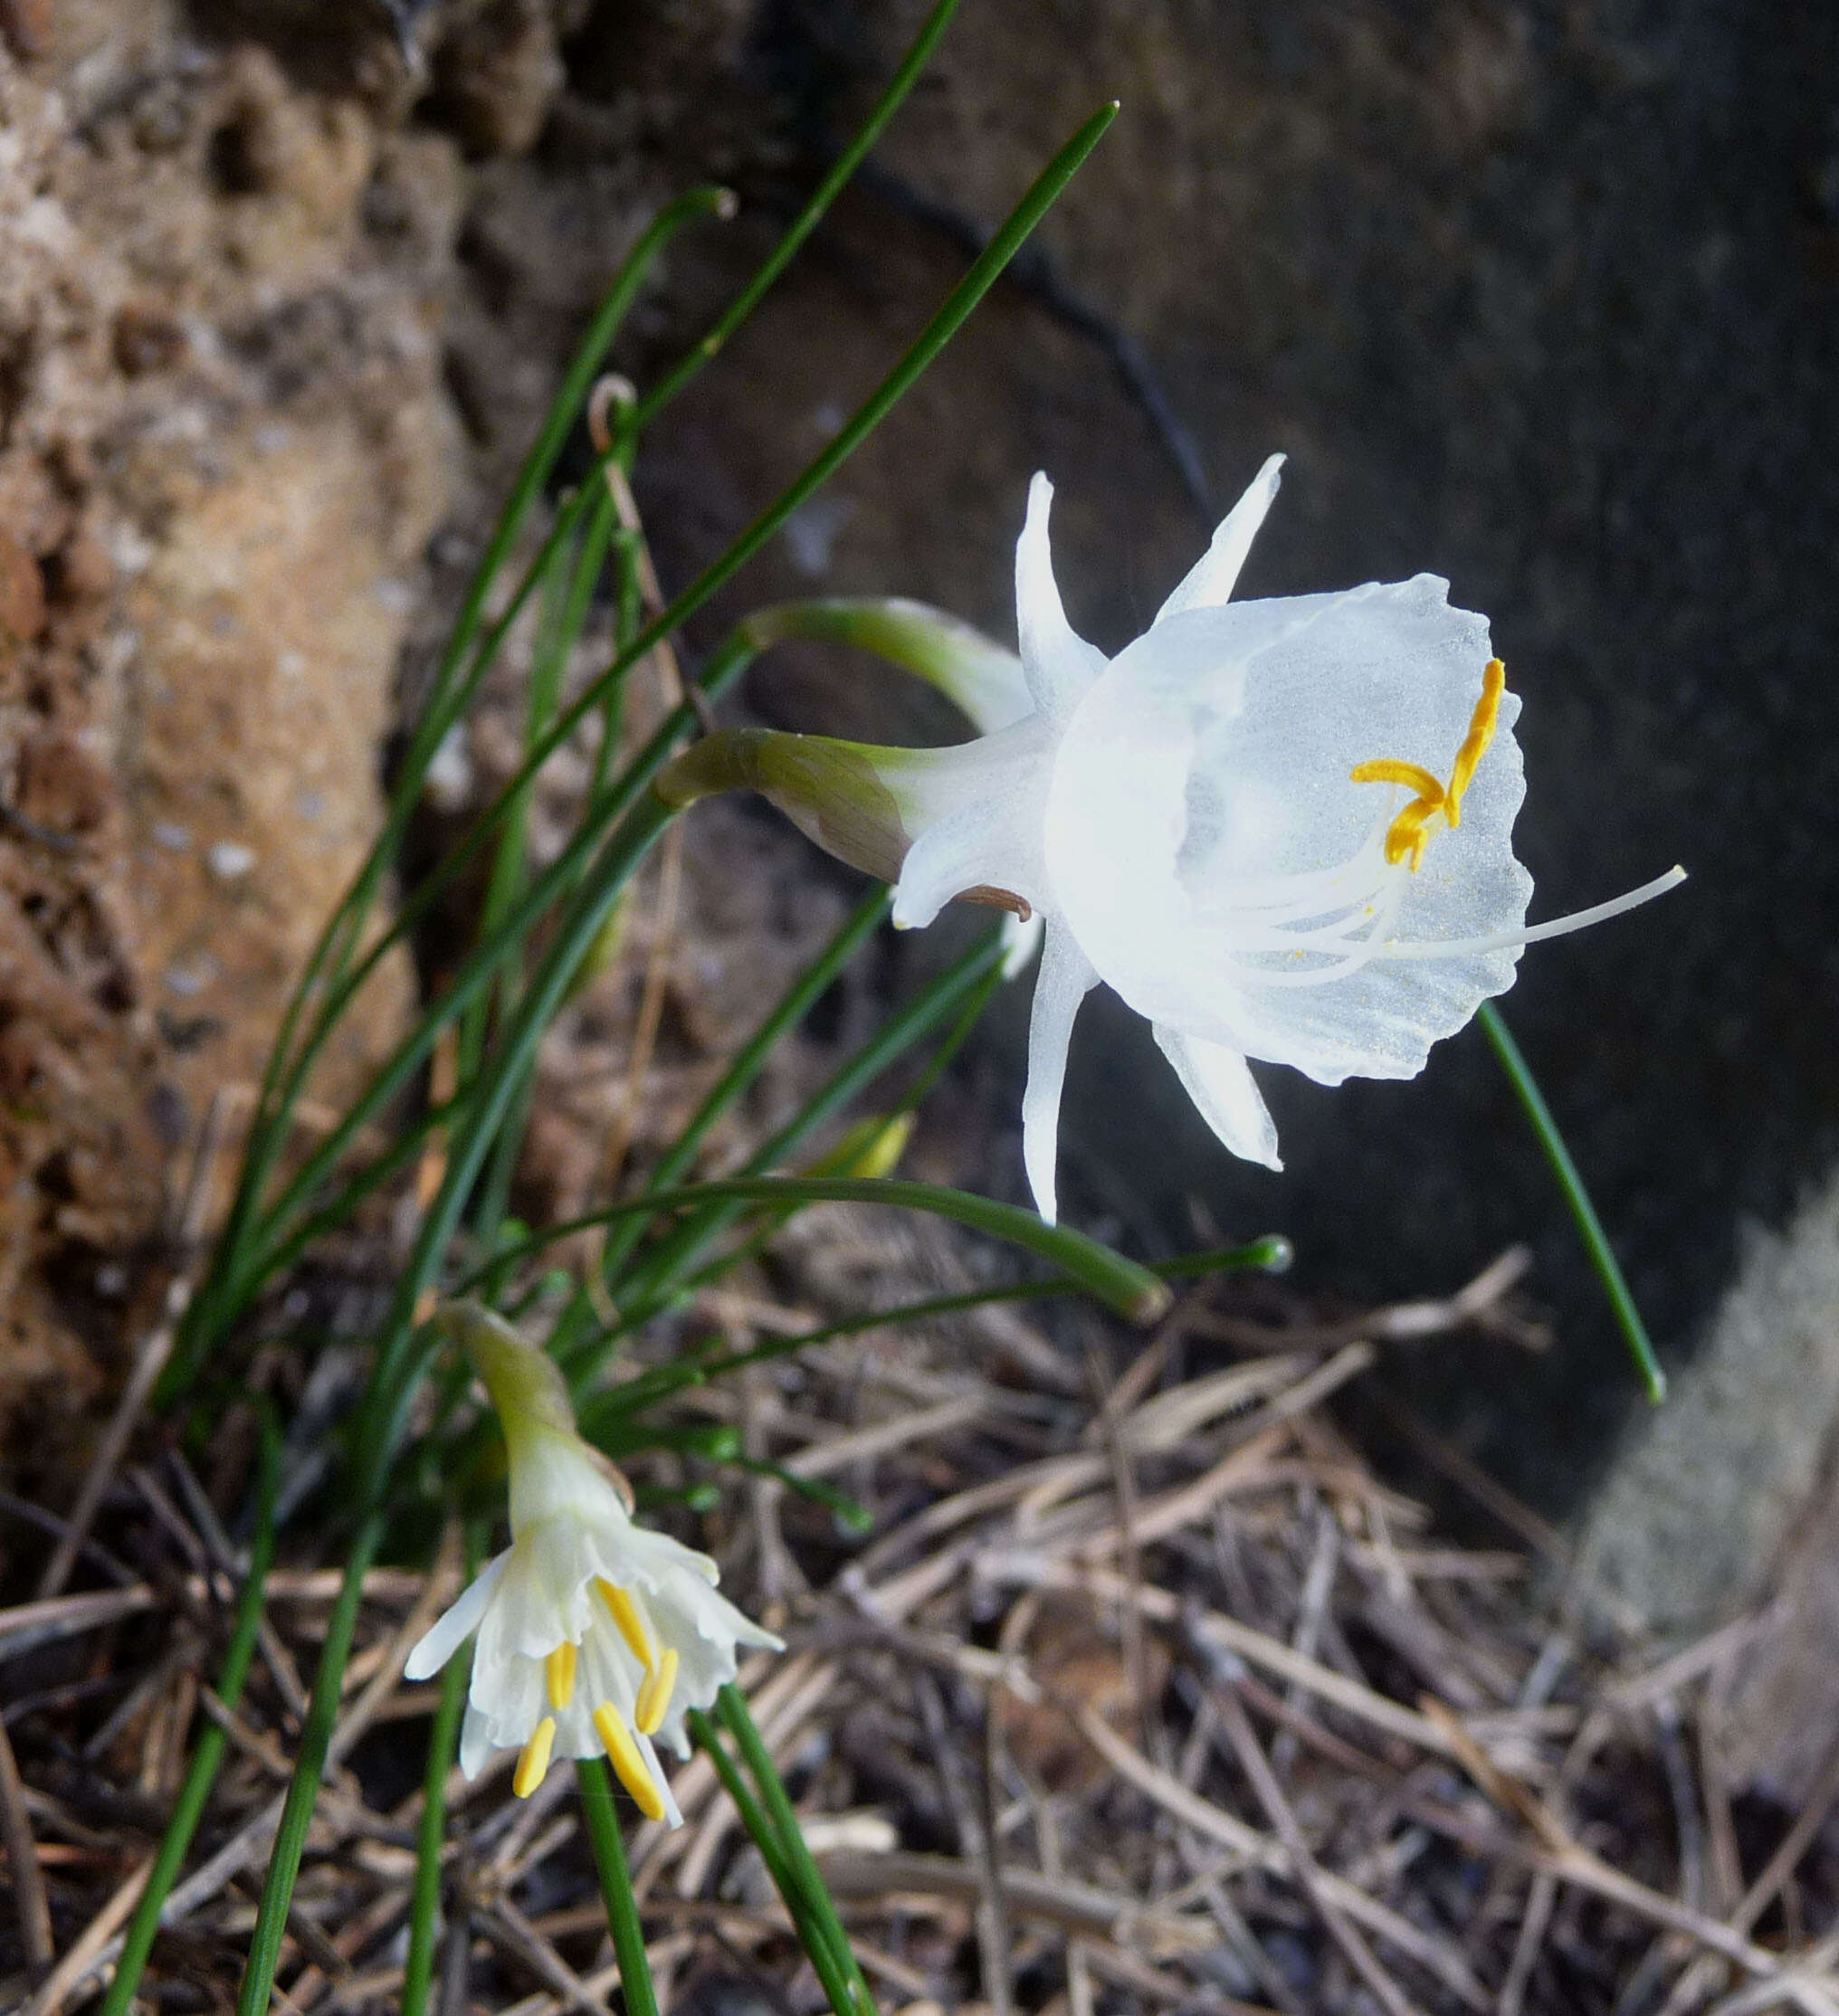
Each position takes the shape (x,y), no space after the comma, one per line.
(1141,1691)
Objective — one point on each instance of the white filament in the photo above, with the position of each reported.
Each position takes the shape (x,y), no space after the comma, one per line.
(1562,927)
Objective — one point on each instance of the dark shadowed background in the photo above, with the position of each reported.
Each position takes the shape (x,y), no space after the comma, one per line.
(1543,298)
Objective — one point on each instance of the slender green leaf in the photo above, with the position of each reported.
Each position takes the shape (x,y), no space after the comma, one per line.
(201,1776)
(425,1901)
(1132,1291)
(1602,1255)
(731,1705)
(825,1945)
(1270,1254)
(616,1885)
(806,221)
(310,1764)
(849,1513)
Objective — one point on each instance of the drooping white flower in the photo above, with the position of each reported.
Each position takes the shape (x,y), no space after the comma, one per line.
(1280,829)
(596,1636)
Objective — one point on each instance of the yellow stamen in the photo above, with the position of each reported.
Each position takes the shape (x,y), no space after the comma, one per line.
(1409,833)
(1481,734)
(1414,776)
(559,1671)
(632,1626)
(534,1762)
(622,1754)
(654,1695)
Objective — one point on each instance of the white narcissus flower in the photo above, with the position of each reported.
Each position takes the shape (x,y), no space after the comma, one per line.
(594,1635)
(1280,830)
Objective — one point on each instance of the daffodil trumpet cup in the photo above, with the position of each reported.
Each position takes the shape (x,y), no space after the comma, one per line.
(1282,830)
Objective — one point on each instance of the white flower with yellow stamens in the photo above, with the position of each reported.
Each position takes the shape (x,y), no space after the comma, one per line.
(596,1636)
(1197,820)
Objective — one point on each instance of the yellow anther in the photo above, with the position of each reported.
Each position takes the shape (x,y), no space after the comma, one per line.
(654,1695)
(622,1754)
(534,1762)
(1481,734)
(632,1626)
(1409,833)
(559,1671)
(1414,776)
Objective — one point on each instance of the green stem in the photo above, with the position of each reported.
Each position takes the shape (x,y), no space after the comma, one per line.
(806,222)
(616,1885)
(1269,1254)
(1133,1291)
(832,1964)
(510,859)
(392,1380)
(202,1775)
(425,1903)
(659,1274)
(731,1705)
(1583,1211)
(303,1788)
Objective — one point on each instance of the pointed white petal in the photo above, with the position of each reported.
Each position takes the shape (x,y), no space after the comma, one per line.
(1215,574)
(432,1651)
(1058,663)
(1065,977)
(513,1700)
(475,1741)
(673,1815)
(1220,1083)
(530,1611)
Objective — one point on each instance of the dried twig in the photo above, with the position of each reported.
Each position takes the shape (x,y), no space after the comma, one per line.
(149,1361)
(22,1859)
(1277,1810)
(1060,1901)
